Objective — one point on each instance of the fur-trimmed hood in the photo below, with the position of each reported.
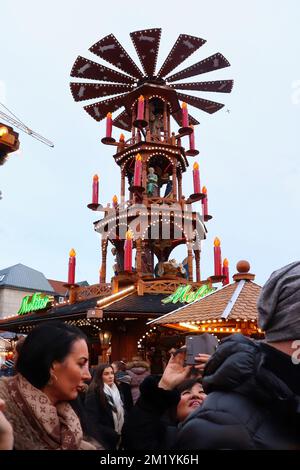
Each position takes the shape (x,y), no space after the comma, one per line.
(138,367)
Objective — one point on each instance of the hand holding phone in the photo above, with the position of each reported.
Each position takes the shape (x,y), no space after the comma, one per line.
(199,344)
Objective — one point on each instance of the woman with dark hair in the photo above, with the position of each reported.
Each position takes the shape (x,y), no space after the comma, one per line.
(164,402)
(51,369)
(104,408)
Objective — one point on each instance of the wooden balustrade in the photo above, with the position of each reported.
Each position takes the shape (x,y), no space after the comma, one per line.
(96,290)
(165,286)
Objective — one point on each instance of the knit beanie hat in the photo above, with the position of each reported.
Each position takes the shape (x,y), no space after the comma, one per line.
(279,304)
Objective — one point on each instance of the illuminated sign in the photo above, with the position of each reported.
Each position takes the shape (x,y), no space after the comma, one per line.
(34,302)
(183,294)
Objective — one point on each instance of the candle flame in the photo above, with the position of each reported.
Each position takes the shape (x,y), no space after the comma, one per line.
(141,98)
(115,199)
(3,131)
(217,242)
(184,105)
(72,253)
(138,157)
(195,166)
(225,263)
(129,235)
(95,178)
(204,190)
(109,115)
(122,138)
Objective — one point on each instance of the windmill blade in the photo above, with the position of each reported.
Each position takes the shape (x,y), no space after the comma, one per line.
(123,121)
(84,68)
(87,91)
(178,118)
(99,110)
(109,49)
(219,86)
(146,43)
(182,49)
(214,62)
(206,105)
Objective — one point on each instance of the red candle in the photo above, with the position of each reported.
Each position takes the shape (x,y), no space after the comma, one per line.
(108,124)
(217,257)
(141,105)
(185,116)
(72,264)
(204,202)
(225,272)
(115,201)
(192,139)
(128,251)
(95,196)
(196,178)
(137,181)
(121,143)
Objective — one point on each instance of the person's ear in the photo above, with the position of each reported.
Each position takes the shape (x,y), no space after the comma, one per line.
(54,366)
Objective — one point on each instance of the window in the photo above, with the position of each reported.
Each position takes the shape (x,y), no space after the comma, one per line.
(2,276)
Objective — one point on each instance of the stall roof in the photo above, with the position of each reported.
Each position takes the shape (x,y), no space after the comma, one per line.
(237,299)
(131,305)
(147,303)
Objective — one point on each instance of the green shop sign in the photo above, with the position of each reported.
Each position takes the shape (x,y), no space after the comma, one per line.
(184,295)
(34,302)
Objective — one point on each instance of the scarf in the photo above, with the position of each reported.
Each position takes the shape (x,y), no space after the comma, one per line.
(114,400)
(59,426)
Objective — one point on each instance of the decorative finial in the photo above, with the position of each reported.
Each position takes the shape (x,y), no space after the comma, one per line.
(243,266)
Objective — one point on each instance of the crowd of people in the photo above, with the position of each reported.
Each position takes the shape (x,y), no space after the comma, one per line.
(245,396)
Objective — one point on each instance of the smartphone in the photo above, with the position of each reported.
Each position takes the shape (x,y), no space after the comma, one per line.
(199,344)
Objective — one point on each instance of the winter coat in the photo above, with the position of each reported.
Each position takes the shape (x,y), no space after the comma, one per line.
(137,370)
(253,401)
(100,422)
(147,426)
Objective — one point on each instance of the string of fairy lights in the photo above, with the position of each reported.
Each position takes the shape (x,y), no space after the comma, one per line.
(142,338)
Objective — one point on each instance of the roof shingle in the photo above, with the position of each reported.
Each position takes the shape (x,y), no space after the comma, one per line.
(213,305)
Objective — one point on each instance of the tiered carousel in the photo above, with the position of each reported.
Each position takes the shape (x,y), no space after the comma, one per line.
(151,216)
(152,210)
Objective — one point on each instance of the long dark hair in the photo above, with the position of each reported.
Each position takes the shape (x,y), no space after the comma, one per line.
(97,384)
(47,343)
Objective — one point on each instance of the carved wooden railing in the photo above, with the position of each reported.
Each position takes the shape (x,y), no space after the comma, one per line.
(164,286)
(160,200)
(96,290)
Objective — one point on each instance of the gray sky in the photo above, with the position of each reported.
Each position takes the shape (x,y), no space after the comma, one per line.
(249,158)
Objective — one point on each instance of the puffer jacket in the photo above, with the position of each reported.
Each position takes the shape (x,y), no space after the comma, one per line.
(253,401)
(138,371)
(149,427)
